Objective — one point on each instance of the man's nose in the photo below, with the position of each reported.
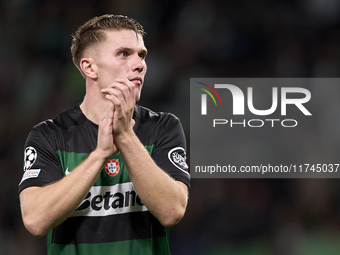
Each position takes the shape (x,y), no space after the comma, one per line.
(138,64)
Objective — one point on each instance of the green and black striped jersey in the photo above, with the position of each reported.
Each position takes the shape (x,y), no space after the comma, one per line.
(112,219)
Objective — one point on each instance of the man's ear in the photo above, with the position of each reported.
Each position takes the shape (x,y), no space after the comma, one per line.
(88,67)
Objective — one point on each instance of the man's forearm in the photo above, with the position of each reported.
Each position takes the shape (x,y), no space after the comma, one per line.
(43,208)
(165,198)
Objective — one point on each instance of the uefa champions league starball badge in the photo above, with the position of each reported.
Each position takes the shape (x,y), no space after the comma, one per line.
(30,157)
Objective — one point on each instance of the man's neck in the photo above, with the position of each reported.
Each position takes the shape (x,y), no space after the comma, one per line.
(95,107)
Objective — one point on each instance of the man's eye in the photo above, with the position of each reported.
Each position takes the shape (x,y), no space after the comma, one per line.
(142,56)
(123,54)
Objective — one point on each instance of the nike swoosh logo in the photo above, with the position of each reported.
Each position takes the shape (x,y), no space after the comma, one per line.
(67,172)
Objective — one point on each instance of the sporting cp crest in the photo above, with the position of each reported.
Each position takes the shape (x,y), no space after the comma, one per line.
(112,167)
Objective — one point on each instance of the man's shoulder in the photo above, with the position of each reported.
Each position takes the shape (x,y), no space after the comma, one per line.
(64,120)
(144,114)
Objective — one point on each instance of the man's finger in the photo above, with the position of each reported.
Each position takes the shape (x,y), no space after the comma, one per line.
(133,122)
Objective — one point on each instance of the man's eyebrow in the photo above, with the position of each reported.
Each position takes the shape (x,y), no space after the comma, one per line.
(127,49)
(124,49)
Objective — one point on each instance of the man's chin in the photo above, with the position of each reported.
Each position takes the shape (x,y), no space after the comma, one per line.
(138,96)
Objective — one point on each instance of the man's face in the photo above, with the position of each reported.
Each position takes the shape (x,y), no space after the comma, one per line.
(121,55)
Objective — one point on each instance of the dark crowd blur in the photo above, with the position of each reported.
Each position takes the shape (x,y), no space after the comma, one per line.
(203,38)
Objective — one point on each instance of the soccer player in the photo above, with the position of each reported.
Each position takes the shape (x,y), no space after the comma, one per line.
(107,176)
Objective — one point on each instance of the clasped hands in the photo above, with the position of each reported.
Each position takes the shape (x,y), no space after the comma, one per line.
(118,123)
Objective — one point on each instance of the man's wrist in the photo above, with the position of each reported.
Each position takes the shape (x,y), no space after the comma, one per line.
(99,155)
(126,138)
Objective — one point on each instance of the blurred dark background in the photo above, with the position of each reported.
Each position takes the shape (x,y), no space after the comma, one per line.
(215,38)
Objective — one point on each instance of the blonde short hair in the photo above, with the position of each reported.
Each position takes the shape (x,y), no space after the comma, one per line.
(93,32)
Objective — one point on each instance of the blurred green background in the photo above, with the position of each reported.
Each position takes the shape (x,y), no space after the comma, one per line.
(204,38)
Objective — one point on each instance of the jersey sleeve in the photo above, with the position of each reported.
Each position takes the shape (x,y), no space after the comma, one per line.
(41,163)
(170,149)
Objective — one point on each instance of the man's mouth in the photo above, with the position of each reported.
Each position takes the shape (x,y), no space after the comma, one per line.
(137,80)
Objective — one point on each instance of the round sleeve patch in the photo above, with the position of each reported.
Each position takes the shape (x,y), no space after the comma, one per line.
(30,157)
(178,159)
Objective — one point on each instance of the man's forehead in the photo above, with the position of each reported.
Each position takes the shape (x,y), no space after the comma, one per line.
(124,38)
